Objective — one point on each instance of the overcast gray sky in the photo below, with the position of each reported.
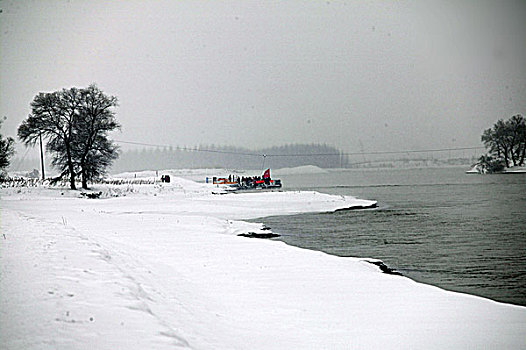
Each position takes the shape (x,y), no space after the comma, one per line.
(391,75)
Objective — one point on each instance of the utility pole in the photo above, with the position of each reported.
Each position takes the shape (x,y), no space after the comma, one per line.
(264,157)
(42,158)
(362,151)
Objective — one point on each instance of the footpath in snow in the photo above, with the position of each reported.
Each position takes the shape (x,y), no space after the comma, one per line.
(161,267)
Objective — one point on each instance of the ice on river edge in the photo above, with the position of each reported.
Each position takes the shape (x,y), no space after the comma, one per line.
(161,265)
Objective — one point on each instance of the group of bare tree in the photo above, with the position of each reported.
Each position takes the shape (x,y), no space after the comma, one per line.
(213,156)
(506,144)
(75,123)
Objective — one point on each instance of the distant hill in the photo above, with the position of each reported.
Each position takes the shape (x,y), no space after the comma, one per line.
(210,156)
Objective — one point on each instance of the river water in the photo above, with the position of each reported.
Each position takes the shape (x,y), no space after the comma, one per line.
(439,226)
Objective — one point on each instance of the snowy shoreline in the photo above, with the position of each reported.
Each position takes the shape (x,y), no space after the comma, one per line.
(153,266)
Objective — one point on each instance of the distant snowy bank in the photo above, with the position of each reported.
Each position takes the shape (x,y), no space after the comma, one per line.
(306,169)
(200,175)
(515,170)
(161,265)
(478,169)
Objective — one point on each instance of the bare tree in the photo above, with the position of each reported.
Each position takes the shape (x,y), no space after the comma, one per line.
(6,149)
(54,116)
(506,141)
(97,118)
(75,123)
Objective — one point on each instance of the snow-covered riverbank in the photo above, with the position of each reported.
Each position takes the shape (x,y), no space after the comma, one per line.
(159,266)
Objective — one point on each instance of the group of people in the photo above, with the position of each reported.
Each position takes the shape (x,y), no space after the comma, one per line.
(248,181)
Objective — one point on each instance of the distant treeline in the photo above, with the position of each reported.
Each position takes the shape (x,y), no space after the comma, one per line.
(211,156)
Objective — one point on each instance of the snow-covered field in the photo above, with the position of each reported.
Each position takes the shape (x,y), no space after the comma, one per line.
(161,266)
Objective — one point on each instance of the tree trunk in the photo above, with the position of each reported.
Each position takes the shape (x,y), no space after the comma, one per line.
(84,179)
(506,157)
(71,169)
(513,159)
(72,177)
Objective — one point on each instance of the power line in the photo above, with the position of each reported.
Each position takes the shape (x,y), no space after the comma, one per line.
(300,154)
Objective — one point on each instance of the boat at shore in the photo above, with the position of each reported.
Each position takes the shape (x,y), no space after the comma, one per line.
(235,183)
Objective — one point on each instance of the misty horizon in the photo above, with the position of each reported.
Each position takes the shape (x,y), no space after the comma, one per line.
(276,157)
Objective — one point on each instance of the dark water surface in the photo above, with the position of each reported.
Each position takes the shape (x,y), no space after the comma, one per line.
(439,226)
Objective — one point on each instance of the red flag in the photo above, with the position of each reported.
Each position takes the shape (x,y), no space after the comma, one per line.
(266,174)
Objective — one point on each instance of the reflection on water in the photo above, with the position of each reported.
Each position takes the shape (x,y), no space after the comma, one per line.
(440,226)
